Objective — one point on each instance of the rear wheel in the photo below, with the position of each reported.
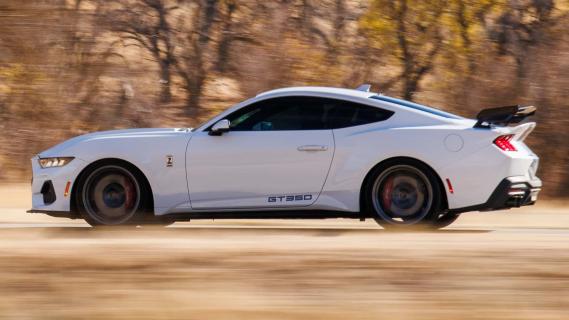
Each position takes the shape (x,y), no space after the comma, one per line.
(404,195)
(112,195)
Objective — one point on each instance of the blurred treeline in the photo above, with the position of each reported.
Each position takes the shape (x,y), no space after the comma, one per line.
(68,67)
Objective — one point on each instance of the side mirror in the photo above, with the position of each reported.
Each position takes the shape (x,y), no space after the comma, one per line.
(220,127)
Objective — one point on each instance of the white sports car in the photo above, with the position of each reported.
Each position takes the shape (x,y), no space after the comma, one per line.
(306,152)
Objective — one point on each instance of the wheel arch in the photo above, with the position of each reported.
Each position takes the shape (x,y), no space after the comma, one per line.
(402,160)
(108,161)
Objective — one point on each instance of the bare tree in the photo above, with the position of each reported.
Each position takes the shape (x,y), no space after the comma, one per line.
(145,23)
(522,26)
(325,24)
(192,64)
(235,29)
(210,28)
(469,15)
(415,63)
(412,33)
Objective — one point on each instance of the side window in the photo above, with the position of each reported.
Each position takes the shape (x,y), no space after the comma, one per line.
(287,113)
(304,113)
(349,114)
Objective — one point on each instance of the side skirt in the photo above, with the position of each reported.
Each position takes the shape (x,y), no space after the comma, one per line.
(57,214)
(296,214)
(186,216)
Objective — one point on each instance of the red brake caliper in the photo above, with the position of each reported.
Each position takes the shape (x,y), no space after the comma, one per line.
(129,192)
(386,193)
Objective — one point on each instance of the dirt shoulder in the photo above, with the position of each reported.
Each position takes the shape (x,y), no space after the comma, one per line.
(503,265)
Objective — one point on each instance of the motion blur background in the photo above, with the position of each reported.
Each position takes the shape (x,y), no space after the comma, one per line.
(68,67)
(72,66)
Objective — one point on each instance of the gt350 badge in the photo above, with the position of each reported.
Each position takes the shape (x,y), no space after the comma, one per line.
(299,197)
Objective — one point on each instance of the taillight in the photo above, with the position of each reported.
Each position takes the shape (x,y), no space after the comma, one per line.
(503,142)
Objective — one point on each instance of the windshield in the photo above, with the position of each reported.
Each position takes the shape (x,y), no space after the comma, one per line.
(417,106)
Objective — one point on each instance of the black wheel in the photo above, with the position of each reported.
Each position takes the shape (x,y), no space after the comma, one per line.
(112,195)
(403,195)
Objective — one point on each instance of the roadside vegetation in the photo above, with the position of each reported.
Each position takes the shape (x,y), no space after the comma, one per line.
(70,67)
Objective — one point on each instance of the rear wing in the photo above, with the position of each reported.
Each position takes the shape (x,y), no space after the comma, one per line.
(503,116)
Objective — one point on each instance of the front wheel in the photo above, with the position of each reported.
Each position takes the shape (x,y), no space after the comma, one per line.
(111,195)
(404,195)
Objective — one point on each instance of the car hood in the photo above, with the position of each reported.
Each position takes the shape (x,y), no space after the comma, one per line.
(63,148)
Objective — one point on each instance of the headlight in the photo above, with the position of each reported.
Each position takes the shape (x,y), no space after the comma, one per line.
(54,162)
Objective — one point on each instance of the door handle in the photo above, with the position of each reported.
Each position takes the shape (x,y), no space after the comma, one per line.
(312,147)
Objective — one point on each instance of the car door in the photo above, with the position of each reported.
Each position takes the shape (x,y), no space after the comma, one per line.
(277,154)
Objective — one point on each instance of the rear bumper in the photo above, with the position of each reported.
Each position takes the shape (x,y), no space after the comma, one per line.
(512,192)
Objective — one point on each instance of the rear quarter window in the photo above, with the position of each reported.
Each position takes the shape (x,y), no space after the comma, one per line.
(348,114)
(416,106)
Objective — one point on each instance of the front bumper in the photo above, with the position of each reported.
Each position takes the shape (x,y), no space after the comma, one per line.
(49,184)
(512,192)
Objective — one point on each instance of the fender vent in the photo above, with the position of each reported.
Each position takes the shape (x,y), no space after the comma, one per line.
(48,192)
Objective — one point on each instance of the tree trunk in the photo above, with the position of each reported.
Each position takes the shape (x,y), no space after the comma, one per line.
(194,89)
(223,48)
(409,89)
(165,77)
(192,103)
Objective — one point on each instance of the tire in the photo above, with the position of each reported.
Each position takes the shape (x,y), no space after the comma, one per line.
(113,194)
(403,194)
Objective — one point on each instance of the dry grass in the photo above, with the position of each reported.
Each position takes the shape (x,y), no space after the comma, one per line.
(488,266)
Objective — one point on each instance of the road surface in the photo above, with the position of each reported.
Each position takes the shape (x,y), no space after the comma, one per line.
(503,265)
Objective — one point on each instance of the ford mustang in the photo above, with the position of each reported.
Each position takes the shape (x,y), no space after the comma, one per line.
(304,152)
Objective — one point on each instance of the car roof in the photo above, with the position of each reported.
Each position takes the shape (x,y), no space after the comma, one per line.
(355,93)
(318,90)
(340,93)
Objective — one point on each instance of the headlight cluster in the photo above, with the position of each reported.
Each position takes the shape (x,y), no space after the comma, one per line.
(54,162)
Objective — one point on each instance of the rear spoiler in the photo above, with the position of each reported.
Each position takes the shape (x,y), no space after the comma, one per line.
(503,116)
